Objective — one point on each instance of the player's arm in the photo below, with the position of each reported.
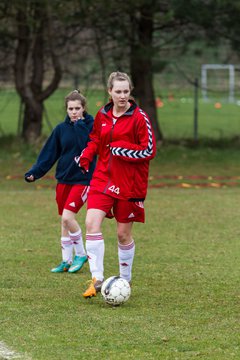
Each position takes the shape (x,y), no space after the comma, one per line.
(46,159)
(145,147)
(88,154)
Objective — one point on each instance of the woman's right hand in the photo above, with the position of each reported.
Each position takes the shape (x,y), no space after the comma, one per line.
(29,178)
(83,163)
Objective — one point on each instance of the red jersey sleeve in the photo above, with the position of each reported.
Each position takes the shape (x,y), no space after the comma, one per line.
(145,147)
(92,146)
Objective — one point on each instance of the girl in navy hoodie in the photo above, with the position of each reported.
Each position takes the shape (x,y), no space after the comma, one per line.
(67,140)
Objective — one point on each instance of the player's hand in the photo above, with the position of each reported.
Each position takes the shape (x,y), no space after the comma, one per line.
(29,178)
(83,163)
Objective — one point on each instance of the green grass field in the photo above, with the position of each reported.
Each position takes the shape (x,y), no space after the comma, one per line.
(175,117)
(185,295)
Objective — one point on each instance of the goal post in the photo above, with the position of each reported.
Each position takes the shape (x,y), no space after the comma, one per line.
(204,78)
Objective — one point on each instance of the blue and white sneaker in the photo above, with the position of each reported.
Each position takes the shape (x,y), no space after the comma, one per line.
(78,263)
(63,267)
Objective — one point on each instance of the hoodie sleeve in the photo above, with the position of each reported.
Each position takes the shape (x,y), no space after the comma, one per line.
(48,156)
(83,129)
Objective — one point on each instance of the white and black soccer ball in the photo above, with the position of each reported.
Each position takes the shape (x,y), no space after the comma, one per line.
(116,290)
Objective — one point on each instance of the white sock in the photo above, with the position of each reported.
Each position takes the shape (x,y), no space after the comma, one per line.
(125,257)
(67,249)
(95,251)
(77,241)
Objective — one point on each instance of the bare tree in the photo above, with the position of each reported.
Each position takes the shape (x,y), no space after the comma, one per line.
(34,47)
(141,55)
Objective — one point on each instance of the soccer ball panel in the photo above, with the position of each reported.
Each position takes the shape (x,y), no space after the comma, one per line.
(125,292)
(115,290)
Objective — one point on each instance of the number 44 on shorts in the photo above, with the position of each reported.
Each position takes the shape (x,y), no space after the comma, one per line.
(114,189)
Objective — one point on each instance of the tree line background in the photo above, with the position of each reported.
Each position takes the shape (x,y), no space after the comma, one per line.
(43,43)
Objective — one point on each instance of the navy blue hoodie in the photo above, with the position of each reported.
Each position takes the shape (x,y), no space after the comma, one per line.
(67,140)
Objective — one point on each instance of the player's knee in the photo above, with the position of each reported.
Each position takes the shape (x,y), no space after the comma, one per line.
(67,221)
(123,237)
(92,226)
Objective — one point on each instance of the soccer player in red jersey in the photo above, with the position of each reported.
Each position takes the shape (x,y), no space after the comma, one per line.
(123,139)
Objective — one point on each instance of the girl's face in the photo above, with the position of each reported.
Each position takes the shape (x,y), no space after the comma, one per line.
(75,110)
(120,94)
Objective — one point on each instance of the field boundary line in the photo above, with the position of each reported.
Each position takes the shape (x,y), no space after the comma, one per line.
(9,354)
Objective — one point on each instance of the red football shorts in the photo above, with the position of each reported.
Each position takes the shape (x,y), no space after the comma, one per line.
(71,197)
(124,211)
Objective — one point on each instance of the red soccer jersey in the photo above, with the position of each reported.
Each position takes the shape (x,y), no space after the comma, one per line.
(124,147)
